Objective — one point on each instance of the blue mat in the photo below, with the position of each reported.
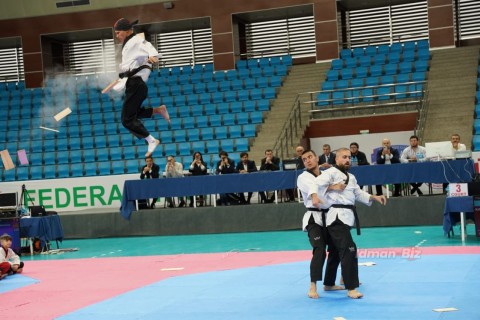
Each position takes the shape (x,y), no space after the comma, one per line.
(14,282)
(394,288)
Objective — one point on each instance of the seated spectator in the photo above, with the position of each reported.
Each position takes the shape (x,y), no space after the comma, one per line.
(245,166)
(9,261)
(388,155)
(358,157)
(197,168)
(327,159)
(150,171)
(414,153)
(174,169)
(269,163)
(226,166)
(456,146)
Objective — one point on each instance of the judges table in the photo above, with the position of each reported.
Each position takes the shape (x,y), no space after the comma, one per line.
(46,228)
(434,172)
(463,205)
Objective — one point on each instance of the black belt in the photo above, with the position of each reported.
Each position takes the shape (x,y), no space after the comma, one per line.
(323,211)
(354,209)
(131,73)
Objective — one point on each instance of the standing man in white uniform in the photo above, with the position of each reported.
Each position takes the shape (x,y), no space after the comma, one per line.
(138,55)
(313,223)
(342,215)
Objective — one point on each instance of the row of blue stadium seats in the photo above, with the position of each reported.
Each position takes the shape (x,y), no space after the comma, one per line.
(373,81)
(219,76)
(264,62)
(113,139)
(380,59)
(376,71)
(368,95)
(12,85)
(212,87)
(385,49)
(87,125)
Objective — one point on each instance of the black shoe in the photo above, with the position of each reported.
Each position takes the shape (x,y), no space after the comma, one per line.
(182,204)
(420,193)
(152,206)
(170,205)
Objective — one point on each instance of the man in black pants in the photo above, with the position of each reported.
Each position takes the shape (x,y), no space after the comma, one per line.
(342,215)
(138,55)
(314,223)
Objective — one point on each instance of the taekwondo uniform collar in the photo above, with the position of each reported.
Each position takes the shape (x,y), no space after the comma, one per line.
(128,38)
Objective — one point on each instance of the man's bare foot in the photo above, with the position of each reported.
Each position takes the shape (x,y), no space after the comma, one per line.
(333,288)
(162,110)
(312,293)
(151,147)
(3,276)
(354,294)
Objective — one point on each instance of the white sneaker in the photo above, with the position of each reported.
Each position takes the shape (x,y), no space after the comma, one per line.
(151,147)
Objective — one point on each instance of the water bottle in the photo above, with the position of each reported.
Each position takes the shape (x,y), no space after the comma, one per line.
(354,161)
(419,156)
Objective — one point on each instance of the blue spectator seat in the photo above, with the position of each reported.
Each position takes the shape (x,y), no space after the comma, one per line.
(113,140)
(394,57)
(361,72)
(379,59)
(275,81)
(115,154)
(237,84)
(332,75)
(249,130)
(210,109)
(242,118)
(422,44)
(249,83)
(229,119)
(176,123)
(243,95)
(231,75)
(281,70)
(341,84)
(323,99)
(188,122)
(212,86)
(268,71)
(215,120)
(418,76)
(328,85)
(130,152)
(403,77)
(408,56)
(243,73)
(358,82)
(358,52)
(221,133)
(367,95)
(224,86)
(371,81)
(211,146)
(405,67)
(256,72)
(387,80)
(235,131)
(205,98)
(180,136)
(184,149)
(241,144)
(376,70)
(36,159)
(196,110)
(118,167)
(241,64)
(193,134)
(227,145)
(187,88)
(196,79)
(337,64)
(365,61)
(350,63)
(36,172)
(421,66)
(50,172)
(384,93)
(166,136)
(207,133)
(262,82)
(198,146)
(202,121)
(423,54)
(87,142)
(49,158)
(132,166)
(88,155)
(223,108)
(126,139)
(256,94)
(391,69)
(400,91)
(338,97)
(345,53)
(200,88)
(170,149)
(100,141)
(476,126)
(346,74)
(104,168)
(236,107)
(256,117)
(49,145)
(269,93)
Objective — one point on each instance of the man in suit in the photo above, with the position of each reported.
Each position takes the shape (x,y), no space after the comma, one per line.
(226,166)
(269,163)
(327,159)
(359,156)
(388,155)
(150,171)
(245,166)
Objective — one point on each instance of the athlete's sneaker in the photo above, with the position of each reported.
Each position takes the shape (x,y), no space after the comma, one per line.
(151,147)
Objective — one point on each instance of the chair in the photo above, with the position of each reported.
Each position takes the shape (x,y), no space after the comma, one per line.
(36,172)
(328,85)
(49,172)
(256,117)
(100,141)
(243,95)
(332,75)
(202,121)
(237,84)
(176,123)
(401,91)
(88,155)
(338,97)
(337,64)
(361,72)
(408,56)
(242,118)
(387,80)
(130,152)
(391,69)
(87,143)
(217,97)
(379,59)
(90,169)
(341,84)
(104,168)
(49,158)
(421,66)
(227,145)
(365,61)
(193,134)
(189,122)
(235,131)
(376,70)
(229,119)
(115,154)
(198,146)
(180,136)
(184,149)
(118,167)
(249,130)
(236,107)
(394,58)
(350,63)
(241,145)
(207,133)
(383,93)
(220,132)
(215,120)
(132,166)
(371,81)
(223,108)
(358,52)
(170,149)
(345,53)
(166,136)
(405,67)
(211,146)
